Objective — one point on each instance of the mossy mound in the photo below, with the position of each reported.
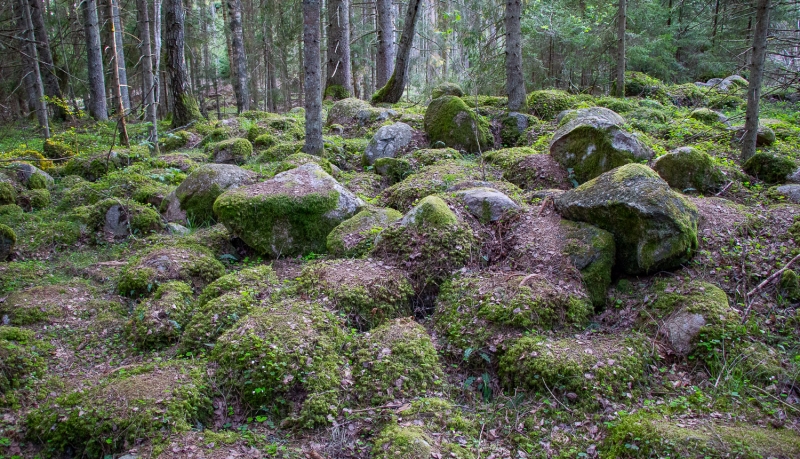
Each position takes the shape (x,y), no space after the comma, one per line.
(131,183)
(190,263)
(345,111)
(8,194)
(298,159)
(226,301)
(21,357)
(529,169)
(232,151)
(769,167)
(159,321)
(93,167)
(8,239)
(393,169)
(395,360)
(707,116)
(355,237)
(428,156)
(114,412)
(397,442)
(638,84)
(547,104)
(175,140)
(197,193)
(644,435)
(346,154)
(28,175)
(336,92)
(764,137)
(448,119)
(591,367)
(217,134)
(286,358)
(281,151)
(789,285)
(447,89)
(368,293)
(34,199)
(55,149)
(477,312)
(46,303)
(689,169)
(592,251)
(367,185)
(118,218)
(265,141)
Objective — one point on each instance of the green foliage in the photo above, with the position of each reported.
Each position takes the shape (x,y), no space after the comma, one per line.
(638,84)
(280,151)
(175,140)
(21,357)
(35,199)
(336,92)
(427,157)
(58,150)
(8,194)
(159,321)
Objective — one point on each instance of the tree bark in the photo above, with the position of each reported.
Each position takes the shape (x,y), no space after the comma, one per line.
(34,79)
(185,105)
(120,55)
(393,90)
(515,81)
(157,52)
(116,85)
(46,66)
(94,57)
(339,71)
(622,19)
(238,58)
(313,76)
(759,55)
(385,56)
(150,88)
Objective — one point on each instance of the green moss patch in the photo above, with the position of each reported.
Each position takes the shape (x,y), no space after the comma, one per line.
(448,119)
(232,151)
(21,357)
(47,303)
(689,169)
(396,442)
(429,156)
(529,169)
(298,159)
(547,104)
(129,218)
(159,321)
(447,89)
(192,264)
(769,167)
(356,236)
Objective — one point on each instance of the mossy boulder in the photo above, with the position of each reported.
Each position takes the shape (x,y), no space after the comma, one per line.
(654,228)
(118,218)
(8,194)
(336,92)
(589,367)
(345,112)
(513,129)
(707,116)
(592,251)
(764,137)
(290,214)
(789,285)
(638,84)
(232,151)
(395,360)
(393,169)
(388,142)
(281,151)
(159,321)
(110,414)
(185,262)
(530,170)
(31,176)
(196,194)
(34,199)
(175,140)
(21,357)
(689,169)
(217,134)
(8,239)
(447,89)
(46,303)
(355,236)
(769,167)
(285,358)
(402,442)
(368,293)
(298,159)
(546,104)
(429,156)
(449,120)
(55,149)
(594,141)
(476,313)
(486,204)
(93,167)
(265,141)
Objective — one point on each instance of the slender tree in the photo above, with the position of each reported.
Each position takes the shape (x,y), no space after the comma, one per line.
(150,88)
(46,66)
(94,57)
(34,79)
(515,81)
(119,57)
(759,55)
(393,90)
(237,57)
(340,78)
(385,54)
(185,105)
(116,82)
(622,20)
(313,76)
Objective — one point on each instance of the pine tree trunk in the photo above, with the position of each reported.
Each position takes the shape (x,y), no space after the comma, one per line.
(94,56)
(116,85)
(185,105)
(157,41)
(515,81)
(759,55)
(393,90)
(150,88)
(46,66)
(339,71)
(385,57)
(621,26)
(313,76)
(121,66)
(238,59)
(34,79)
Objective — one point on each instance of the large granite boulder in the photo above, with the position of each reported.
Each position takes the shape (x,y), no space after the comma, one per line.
(290,214)
(486,204)
(688,168)
(592,141)
(387,141)
(195,196)
(449,120)
(654,227)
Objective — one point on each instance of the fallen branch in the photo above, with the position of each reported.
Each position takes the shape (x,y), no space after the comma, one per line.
(773,276)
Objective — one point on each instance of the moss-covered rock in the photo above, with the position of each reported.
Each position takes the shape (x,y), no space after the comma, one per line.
(8,194)
(31,176)
(790,285)
(654,228)
(594,141)
(159,321)
(21,357)
(175,140)
(336,92)
(396,442)
(591,366)
(110,414)
(769,167)
(394,169)
(487,204)
(93,167)
(689,169)
(265,141)
(388,142)
(8,239)
(285,358)
(707,116)
(55,149)
(638,84)
(34,199)
(529,169)
(345,112)
(429,156)
(189,263)
(366,292)
(764,137)
(448,119)
(547,104)
(232,151)
(447,89)
(298,159)
(197,193)
(290,214)
(395,360)
(47,303)
(355,236)
(281,151)
(592,251)
(217,134)
(118,218)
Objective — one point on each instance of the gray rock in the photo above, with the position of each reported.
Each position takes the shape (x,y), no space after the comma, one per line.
(388,141)
(792,192)
(116,222)
(764,138)
(732,82)
(487,204)
(345,111)
(794,177)
(171,209)
(592,141)
(197,192)
(177,229)
(687,168)
(521,119)
(681,329)
(25,171)
(372,115)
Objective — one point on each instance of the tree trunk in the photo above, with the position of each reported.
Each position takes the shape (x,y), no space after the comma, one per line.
(46,66)
(34,80)
(116,85)
(185,105)
(393,90)
(120,56)
(756,76)
(237,58)
(150,88)
(313,77)
(622,19)
(339,71)
(157,53)
(515,81)
(94,56)
(385,57)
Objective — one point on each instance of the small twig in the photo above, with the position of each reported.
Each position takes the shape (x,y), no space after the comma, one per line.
(773,276)
(725,188)
(553,395)
(776,398)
